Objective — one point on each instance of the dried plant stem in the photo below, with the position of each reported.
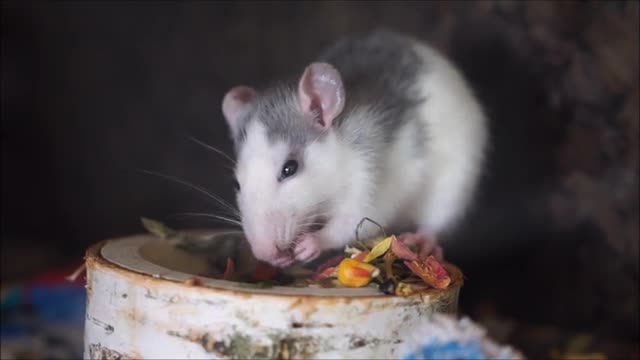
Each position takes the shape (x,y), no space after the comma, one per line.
(360,225)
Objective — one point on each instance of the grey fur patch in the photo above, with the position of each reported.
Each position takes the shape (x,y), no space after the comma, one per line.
(379,71)
(277,108)
(280,112)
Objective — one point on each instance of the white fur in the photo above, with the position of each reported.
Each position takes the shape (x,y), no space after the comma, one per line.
(458,137)
(257,169)
(389,199)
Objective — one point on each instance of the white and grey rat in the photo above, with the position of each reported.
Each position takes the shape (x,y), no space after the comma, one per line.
(381,125)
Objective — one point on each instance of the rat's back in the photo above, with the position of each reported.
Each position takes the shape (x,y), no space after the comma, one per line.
(379,70)
(423,121)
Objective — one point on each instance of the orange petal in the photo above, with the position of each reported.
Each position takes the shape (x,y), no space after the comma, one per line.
(436,268)
(431,272)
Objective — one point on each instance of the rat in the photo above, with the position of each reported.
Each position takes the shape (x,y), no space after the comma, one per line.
(380,125)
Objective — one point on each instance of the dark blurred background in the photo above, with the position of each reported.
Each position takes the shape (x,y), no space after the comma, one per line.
(93,92)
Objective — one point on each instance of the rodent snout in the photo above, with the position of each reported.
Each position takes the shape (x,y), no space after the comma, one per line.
(281,248)
(269,238)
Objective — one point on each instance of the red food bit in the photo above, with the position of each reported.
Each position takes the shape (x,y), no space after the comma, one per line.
(265,272)
(229,270)
(330,263)
(328,272)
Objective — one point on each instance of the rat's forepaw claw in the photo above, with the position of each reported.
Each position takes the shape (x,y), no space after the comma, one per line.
(307,249)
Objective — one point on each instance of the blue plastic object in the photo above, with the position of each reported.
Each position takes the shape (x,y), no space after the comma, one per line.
(448,351)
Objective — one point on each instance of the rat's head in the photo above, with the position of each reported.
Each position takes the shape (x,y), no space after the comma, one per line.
(286,173)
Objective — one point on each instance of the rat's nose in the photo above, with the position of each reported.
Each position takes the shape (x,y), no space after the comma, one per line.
(264,252)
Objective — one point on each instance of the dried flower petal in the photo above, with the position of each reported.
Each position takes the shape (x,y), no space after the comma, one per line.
(354,273)
(441,273)
(431,272)
(332,262)
(380,249)
(402,251)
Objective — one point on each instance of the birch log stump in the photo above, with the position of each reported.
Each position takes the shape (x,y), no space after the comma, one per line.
(141,304)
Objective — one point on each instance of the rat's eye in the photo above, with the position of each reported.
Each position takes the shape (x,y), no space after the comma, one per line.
(289,168)
(236,185)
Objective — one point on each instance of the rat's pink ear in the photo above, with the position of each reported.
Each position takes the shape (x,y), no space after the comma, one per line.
(235,104)
(320,91)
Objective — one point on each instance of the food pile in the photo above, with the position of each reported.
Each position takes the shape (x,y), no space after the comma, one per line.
(385,263)
(389,265)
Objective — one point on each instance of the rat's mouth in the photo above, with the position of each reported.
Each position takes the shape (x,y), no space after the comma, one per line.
(317,223)
(314,224)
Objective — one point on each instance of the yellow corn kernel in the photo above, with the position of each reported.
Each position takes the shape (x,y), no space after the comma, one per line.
(354,273)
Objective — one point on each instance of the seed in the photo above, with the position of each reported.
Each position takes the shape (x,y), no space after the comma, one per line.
(388,287)
(354,273)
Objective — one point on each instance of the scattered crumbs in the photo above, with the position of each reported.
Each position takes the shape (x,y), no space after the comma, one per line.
(193,281)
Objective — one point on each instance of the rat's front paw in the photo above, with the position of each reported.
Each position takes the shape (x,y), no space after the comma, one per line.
(307,248)
(426,245)
(282,261)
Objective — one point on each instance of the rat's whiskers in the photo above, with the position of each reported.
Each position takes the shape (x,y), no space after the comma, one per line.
(214,149)
(226,206)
